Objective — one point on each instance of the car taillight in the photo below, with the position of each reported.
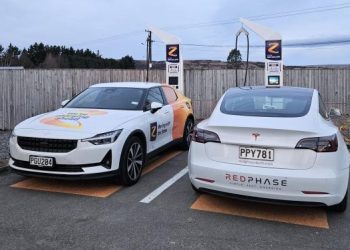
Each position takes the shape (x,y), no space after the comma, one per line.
(319,144)
(204,136)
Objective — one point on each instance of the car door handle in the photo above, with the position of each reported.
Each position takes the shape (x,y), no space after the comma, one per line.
(166,112)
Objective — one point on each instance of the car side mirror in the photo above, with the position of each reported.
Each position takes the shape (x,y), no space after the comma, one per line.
(334,112)
(64,102)
(155,106)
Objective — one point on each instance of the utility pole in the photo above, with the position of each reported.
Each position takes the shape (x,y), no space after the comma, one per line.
(148,53)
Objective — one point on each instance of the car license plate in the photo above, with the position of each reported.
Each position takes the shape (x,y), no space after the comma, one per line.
(251,153)
(40,161)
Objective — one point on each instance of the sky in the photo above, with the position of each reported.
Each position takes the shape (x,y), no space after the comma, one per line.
(116,28)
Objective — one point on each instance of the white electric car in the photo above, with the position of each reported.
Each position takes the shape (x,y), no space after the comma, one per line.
(108,129)
(271,145)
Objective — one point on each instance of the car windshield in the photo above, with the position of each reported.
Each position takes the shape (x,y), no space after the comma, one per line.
(109,98)
(267,102)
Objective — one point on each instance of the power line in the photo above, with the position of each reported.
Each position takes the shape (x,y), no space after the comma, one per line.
(290,44)
(265,16)
(114,37)
(228,21)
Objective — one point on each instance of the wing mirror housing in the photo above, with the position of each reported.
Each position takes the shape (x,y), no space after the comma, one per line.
(64,102)
(334,112)
(155,106)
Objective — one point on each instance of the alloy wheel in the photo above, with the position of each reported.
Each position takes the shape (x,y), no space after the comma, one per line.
(135,161)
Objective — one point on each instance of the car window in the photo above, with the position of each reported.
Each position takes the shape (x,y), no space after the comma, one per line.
(322,108)
(108,98)
(154,95)
(170,94)
(267,102)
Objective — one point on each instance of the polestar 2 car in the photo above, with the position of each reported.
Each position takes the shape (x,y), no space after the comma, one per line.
(108,129)
(271,145)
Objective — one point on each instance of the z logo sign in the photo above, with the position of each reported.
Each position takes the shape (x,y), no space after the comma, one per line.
(154,131)
(273,50)
(273,46)
(173,53)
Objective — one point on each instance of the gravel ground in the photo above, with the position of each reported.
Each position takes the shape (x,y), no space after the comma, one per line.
(343,123)
(4,148)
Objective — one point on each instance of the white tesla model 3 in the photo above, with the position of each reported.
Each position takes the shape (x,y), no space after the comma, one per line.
(271,145)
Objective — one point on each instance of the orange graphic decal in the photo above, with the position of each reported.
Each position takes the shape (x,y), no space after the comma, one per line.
(72,119)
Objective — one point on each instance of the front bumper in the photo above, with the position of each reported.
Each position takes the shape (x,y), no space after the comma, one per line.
(85,160)
(65,176)
(266,183)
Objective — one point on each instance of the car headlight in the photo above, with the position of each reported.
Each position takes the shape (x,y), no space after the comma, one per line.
(104,138)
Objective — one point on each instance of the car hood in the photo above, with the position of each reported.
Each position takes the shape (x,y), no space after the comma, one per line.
(74,123)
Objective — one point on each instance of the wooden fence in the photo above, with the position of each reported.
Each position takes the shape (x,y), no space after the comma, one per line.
(25,93)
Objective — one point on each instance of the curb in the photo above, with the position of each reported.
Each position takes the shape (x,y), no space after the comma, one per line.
(3,165)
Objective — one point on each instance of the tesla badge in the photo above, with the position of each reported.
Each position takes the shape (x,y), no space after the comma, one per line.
(256,135)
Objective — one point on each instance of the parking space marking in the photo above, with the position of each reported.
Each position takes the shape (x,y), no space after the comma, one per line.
(101,189)
(306,216)
(94,188)
(149,198)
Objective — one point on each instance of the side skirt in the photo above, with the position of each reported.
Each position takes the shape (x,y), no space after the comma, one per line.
(162,148)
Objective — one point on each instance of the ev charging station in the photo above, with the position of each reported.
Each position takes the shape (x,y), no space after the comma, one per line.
(273,53)
(174,61)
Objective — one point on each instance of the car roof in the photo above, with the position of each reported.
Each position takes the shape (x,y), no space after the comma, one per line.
(277,89)
(142,85)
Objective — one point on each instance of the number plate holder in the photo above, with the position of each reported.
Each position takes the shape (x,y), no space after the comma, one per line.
(41,161)
(254,153)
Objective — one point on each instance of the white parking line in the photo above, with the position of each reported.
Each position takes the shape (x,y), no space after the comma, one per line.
(164,186)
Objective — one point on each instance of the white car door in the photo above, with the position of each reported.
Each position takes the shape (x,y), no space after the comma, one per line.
(161,122)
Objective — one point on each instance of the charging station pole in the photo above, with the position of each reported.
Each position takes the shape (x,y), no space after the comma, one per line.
(273,53)
(174,61)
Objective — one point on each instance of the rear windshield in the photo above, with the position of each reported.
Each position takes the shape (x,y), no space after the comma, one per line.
(267,102)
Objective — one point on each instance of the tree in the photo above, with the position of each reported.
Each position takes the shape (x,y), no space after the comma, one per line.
(24,60)
(51,61)
(234,58)
(1,55)
(11,55)
(37,53)
(127,62)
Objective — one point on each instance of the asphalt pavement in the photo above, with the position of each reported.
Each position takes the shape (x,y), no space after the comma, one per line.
(34,219)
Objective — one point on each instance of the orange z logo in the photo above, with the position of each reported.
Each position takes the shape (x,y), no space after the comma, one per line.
(154,130)
(172,51)
(272,48)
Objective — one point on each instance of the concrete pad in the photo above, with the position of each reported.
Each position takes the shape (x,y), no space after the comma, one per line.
(96,188)
(100,189)
(305,216)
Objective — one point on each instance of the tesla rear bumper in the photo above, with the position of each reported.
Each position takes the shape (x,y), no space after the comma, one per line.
(315,185)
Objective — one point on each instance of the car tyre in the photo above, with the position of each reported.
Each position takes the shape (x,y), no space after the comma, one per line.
(196,189)
(132,161)
(341,207)
(186,139)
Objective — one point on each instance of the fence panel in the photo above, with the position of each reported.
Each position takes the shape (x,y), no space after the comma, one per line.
(25,93)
